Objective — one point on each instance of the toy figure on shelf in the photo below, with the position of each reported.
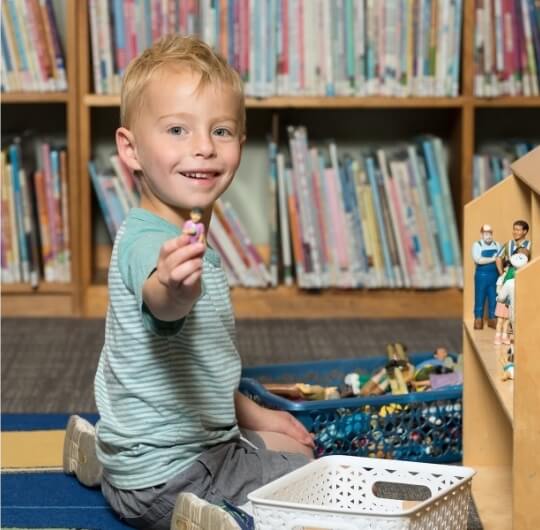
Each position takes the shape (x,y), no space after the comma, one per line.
(519,231)
(507,363)
(194,228)
(505,296)
(484,252)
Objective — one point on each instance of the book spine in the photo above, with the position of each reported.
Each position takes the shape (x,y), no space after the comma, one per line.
(15,160)
(58,235)
(57,47)
(369,162)
(17,259)
(66,272)
(31,46)
(101,199)
(41,42)
(285,239)
(97,64)
(44,230)
(29,229)
(14,23)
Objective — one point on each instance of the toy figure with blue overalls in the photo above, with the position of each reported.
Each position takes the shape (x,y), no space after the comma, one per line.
(484,252)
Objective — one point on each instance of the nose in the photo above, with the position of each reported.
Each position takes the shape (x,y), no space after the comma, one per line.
(203,145)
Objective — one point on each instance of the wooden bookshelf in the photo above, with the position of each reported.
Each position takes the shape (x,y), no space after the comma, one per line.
(34,97)
(55,299)
(84,108)
(501,426)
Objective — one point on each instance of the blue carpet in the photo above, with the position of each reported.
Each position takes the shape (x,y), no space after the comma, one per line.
(52,499)
(39,422)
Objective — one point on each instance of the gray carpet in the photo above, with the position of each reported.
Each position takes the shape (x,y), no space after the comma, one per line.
(48,365)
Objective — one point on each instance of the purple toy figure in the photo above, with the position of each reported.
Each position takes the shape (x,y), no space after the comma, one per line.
(194,228)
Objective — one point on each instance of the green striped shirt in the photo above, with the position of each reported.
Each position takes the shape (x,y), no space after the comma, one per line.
(164,390)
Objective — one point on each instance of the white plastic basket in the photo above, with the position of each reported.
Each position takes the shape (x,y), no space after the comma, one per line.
(337,492)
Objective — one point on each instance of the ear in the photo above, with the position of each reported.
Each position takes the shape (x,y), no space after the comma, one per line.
(127,151)
(242,142)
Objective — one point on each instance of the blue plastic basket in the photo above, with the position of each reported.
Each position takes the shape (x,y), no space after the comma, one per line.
(420,426)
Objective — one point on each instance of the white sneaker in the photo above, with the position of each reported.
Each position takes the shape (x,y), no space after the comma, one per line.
(193,513)
(80,452)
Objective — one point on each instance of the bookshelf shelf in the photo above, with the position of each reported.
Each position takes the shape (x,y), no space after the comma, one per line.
(313,102)
(291,302)
(34,97)
(99,100)
(353,102)
(491,358)
(501,427)
(39,304)
(503,102)
(42,287)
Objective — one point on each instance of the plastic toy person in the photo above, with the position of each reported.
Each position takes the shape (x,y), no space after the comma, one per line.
(505,297)
(520,230)
(484,252)
(194,228)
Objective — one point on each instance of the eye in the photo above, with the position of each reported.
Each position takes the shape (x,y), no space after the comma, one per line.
(222,131)
(176,130)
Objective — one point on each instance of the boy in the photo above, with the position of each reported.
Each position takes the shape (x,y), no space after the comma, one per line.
(171,418)
(519,230)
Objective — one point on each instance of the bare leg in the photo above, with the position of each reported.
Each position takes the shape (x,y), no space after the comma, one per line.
(276,441)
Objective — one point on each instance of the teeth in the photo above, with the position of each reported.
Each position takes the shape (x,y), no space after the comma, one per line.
(197,175)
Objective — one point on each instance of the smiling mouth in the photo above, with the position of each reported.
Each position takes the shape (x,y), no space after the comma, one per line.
(199,175)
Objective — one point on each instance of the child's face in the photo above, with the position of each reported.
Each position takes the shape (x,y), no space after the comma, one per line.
(187,143)
(518,232)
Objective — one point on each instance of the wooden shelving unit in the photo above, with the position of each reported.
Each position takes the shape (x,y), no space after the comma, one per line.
(53,299)
(86,110)
(501,431)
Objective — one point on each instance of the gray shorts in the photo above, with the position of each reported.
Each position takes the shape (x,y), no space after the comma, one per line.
(228,471)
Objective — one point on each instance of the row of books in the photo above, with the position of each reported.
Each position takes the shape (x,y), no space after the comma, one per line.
(493,164)
(382,218)
(35,242)
(298,47)
(507,47)
(117,191)
(32,55)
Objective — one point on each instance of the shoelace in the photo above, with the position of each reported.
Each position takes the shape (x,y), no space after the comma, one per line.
(243,519)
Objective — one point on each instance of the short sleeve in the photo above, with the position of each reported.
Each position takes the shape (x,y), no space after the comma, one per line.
(137,259)
(476,252)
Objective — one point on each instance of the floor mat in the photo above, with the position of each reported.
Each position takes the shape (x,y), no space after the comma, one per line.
(35,491)
(53,500)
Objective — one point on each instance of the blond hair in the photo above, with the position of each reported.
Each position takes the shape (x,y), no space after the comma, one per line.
(175,51)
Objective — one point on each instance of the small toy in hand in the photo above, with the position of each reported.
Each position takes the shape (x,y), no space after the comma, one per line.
(194,227)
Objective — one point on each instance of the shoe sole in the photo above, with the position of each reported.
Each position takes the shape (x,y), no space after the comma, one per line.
(79,456)
(192,513)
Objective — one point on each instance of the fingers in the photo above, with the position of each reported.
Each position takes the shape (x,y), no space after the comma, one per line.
(299,432)
(182,241)
(180,262)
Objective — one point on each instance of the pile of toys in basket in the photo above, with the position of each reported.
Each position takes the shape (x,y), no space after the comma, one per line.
(404,407)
